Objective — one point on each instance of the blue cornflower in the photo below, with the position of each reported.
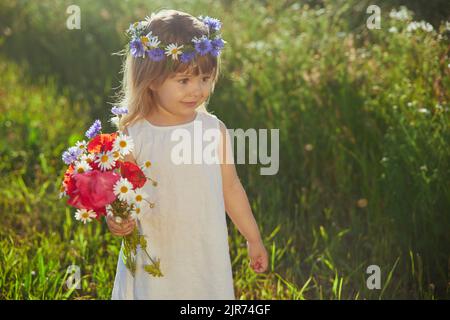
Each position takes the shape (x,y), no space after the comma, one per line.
(119,110)
(217,45)
(94,129)
(71,155)
(136,48)
(186,57)
(202,45)
(156,54)
(212,23)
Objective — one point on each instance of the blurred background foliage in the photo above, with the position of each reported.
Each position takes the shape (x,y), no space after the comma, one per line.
(364,134)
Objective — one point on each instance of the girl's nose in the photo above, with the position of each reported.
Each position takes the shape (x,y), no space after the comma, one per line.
(197,89)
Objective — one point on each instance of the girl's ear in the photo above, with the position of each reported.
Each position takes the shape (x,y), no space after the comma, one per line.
(152,86)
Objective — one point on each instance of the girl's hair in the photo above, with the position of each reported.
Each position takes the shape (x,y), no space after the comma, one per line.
(171,26)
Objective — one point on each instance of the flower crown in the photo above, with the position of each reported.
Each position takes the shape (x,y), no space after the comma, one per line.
(149,45)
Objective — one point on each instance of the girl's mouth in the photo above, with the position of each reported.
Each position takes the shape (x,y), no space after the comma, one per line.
(190,104)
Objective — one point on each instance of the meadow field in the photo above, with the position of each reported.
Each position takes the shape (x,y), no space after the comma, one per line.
(364,133)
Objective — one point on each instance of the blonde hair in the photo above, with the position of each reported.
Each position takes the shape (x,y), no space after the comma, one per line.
(171,26)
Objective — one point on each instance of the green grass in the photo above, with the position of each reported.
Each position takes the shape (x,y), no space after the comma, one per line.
(364,170)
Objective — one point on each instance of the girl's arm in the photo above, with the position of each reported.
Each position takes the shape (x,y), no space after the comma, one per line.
(236,201)
(238,207)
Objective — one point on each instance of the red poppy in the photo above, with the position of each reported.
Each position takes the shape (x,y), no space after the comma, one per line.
(133,173)
(68,182)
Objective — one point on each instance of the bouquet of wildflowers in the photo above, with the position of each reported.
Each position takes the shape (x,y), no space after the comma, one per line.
(98,182)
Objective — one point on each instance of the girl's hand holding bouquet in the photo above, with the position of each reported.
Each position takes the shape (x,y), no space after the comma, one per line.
(100,182)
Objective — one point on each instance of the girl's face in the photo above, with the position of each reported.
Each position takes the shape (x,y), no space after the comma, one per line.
(182,93)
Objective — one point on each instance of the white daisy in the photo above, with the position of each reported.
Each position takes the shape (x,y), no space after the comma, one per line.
(138,197)
(149,35)
(173,50)
(123,189)
(85,215)
(124,144)
(144,40)
(82,145)
(105,161)
(88,157)
(135,213)
(146,165)
(82,167)
(116,155)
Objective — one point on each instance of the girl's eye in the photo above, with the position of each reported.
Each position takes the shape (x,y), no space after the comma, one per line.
(184,81)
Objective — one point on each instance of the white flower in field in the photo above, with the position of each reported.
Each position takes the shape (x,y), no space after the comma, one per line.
(424,110)
(414,25)
(138,197)
(309,147)
(85,215)
(174,50)
(426,26)
(123,189)
(124,144)
(82,145)
(105,161)
(82,167)
(401,14)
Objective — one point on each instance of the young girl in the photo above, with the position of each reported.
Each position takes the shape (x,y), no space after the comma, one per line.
(170,71)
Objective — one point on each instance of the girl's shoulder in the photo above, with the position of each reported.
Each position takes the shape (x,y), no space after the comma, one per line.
(135,125)
(210,117)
